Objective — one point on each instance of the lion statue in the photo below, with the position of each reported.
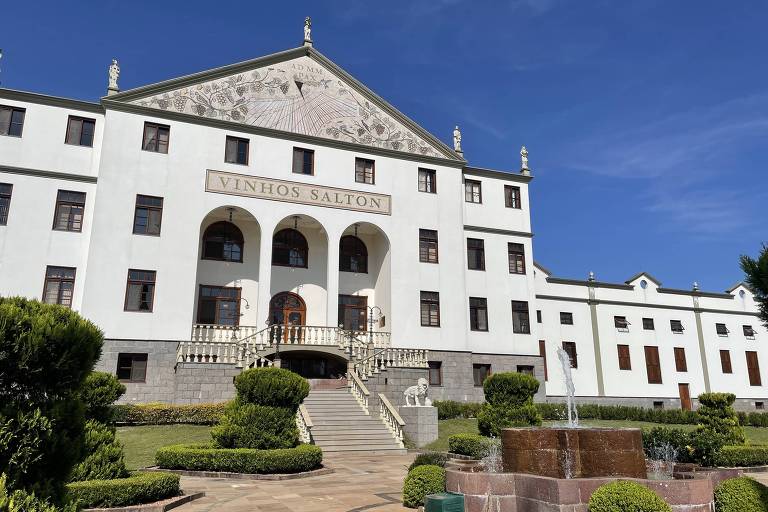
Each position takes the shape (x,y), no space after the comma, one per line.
(419,390)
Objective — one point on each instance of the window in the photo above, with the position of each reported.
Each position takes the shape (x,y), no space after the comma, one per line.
(676,326)
(80,131)
(625,361)
(721,330)
(658,405)
(526,369)
(148,215)
(59,285)
(290,249)
(725,361)
(566,318)
(570,349)
(353,312)
(475,254)
(538,316)
(472,191)
(428,181)
(156,137)
(760,406)
(681,365)
(140,291)
(435,373)
(132,367)
(430,309)
(620,322)
(480,372)
(223,241)
(516,254)
(652,365)
(218,305)
(478,314)
(365,171)
(11,120)
(6,189)
(648,324)
(303,161)
(543,355)
(236,151)
(520,320)
(353,255)
(749,332)
(512,197)
(753,368)
(427,246)
(70,207)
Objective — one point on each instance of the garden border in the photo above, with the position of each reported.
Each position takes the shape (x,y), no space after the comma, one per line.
(157,506)
(325,470)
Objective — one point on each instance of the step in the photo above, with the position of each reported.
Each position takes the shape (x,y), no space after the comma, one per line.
(349,437)
(367,442)
(347,428)
(365,449)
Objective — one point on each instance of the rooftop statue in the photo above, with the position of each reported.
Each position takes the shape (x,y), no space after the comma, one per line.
(457,140)
(307,30)
(524,158)
(114,74)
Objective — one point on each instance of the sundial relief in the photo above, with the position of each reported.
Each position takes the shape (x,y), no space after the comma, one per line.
(299,96)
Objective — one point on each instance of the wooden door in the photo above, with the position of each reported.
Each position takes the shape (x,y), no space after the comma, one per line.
(753,368)
(685,397)
(287,315)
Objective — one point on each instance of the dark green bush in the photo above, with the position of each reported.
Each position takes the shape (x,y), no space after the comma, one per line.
(626,496)
(167,414)
(21,501)
(46,351)
(471,445)
(256,426)
(492,419)
(99,391)
(550,411)
(741,495)
(718,426)
(136,489)
(104,459)
(450,409)
(274,387)
(742,456)
(510,389)
(421,482)
(429,459)
(657,437)
(202,457)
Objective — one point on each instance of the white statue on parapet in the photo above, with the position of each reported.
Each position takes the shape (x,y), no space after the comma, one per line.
(307,30)
(114,74)
(414,392)
(457,140)
(524,159)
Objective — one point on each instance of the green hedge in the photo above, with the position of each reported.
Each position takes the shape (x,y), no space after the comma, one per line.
(166,414)
(421,482)
(429,459)
(258,427)
(742,456)
(626,496)
(450,409)
(121,492)
(272,387)
(741,495)
(204,457)
(471,445)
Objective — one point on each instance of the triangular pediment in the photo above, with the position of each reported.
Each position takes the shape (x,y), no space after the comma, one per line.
(298,91)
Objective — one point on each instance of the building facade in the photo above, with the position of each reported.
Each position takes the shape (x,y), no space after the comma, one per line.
(278,209)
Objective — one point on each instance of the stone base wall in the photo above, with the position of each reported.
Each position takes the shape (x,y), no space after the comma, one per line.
(741,404)
(160,382)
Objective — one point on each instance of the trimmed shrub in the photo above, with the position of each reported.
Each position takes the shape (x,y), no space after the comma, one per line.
(256,426)
(656,439)
(421,482)
(21,501)
(274,387)
(136,489)
(471,445)
(492,419)
(718,426)
(167,414)
(203,457)
(99,391)
(741,495)
(429,459)
(742,456)
(510,389)
(105,455)
(626,496)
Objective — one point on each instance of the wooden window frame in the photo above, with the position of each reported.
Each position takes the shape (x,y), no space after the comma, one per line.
(426,241)
(625,357)
(649,324)
(149,208)
(237,141)
(60,281)
(134,356)
(82,121)
(216,299)
(431,304)
(479,249)
(478,366)
(345,255)
(438,367)
(128,284)
(480,305)
(239,240)
(527,369)
(509,197)
(567,319)
(753,371)
(303,151)
(572,351)
(158,128)
(656,366)
(13,109)
(681,363)
(365,173)
(427,182)
(361,306)
(471,184)
(6,194)
(522,329)
(71,204)
(516,258)
(726,365)
(290,248)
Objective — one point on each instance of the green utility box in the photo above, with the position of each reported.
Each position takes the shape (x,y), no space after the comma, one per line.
(444,502)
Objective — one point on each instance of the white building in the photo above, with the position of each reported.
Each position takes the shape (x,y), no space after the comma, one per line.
(199,220)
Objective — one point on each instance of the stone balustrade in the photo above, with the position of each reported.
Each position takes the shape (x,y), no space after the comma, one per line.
(359,391)
(304,424)
(391,418)
(374,361)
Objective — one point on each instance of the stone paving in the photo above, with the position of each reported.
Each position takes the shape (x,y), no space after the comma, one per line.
(360,483)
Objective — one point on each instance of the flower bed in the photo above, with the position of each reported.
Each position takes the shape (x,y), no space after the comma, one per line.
(205,457)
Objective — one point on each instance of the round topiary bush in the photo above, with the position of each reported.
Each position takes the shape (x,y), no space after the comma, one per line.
(471,445)
(256,426)
(741,495)
(99,391)
(421,482)
(491,420)
(625,496)
(510,389)
(275,387)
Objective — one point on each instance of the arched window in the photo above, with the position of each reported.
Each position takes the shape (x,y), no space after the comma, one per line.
(289,249)
(223,241)
(353,255)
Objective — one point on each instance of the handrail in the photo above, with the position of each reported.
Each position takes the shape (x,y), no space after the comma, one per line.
(392,410)
(358,390)
(391,419)
(304,424)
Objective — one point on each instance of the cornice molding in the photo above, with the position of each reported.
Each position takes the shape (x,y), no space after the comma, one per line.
(53,101)
(596,284)
(495,231)
(644,305)
(48,174)
(693,293)
(502,175)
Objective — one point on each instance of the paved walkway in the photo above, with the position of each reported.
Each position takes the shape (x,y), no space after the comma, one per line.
(760,477)
(360,483)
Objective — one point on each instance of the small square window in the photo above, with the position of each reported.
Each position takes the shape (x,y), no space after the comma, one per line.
(721,329)
(428,181)
(132,367)
(648,324)
(435,373)
(236,150)
(566,318)
(676,326)
(658,405)
(621,323)
(480,372)
(473,191)
(11,120)
(365,171)
(526,369)
(512,197)
(156,138)
(760,406)
(303,161)
(80,131)
(749,332)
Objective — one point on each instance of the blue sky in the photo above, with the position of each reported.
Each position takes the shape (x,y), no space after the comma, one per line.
(646,122)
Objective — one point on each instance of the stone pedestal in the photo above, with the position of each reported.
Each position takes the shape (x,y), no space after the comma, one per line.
(420,424)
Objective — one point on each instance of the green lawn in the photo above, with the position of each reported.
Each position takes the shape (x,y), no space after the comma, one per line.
(141,443)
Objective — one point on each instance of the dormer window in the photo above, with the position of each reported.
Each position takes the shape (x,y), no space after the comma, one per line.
(621,323)
(676,326)
(721,329)
(749,332)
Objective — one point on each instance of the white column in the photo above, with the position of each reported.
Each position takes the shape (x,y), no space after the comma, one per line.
(332,283)
(265,275)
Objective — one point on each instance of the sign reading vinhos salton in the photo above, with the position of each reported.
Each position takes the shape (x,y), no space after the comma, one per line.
(294,192)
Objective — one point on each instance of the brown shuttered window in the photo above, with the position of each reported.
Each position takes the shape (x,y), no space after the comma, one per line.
(753,368)
(653,365)
(543,354)
(516,253)
(59,285)
(156,137)
(473,191)
(512,197)
(625,362)
(428,181)
(428,246)
(570,349)
(236,150)
(725,361)
(681,364)
(303,161)
(430,309)
(365,171)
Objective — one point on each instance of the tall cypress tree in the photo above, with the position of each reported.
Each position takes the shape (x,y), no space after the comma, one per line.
(756,277)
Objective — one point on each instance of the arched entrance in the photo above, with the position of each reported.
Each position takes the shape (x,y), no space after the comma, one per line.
(315,366)
(287,313)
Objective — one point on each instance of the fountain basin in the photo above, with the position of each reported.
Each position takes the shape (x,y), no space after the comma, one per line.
(574,452)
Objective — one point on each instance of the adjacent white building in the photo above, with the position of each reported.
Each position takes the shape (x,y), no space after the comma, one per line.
(207,222)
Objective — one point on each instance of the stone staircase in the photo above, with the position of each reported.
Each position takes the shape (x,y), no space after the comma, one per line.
(341,425)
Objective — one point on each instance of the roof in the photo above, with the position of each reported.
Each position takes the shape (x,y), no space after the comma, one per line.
(646,275)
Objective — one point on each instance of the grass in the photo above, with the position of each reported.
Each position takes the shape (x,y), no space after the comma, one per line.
(446,428)
(140,443)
